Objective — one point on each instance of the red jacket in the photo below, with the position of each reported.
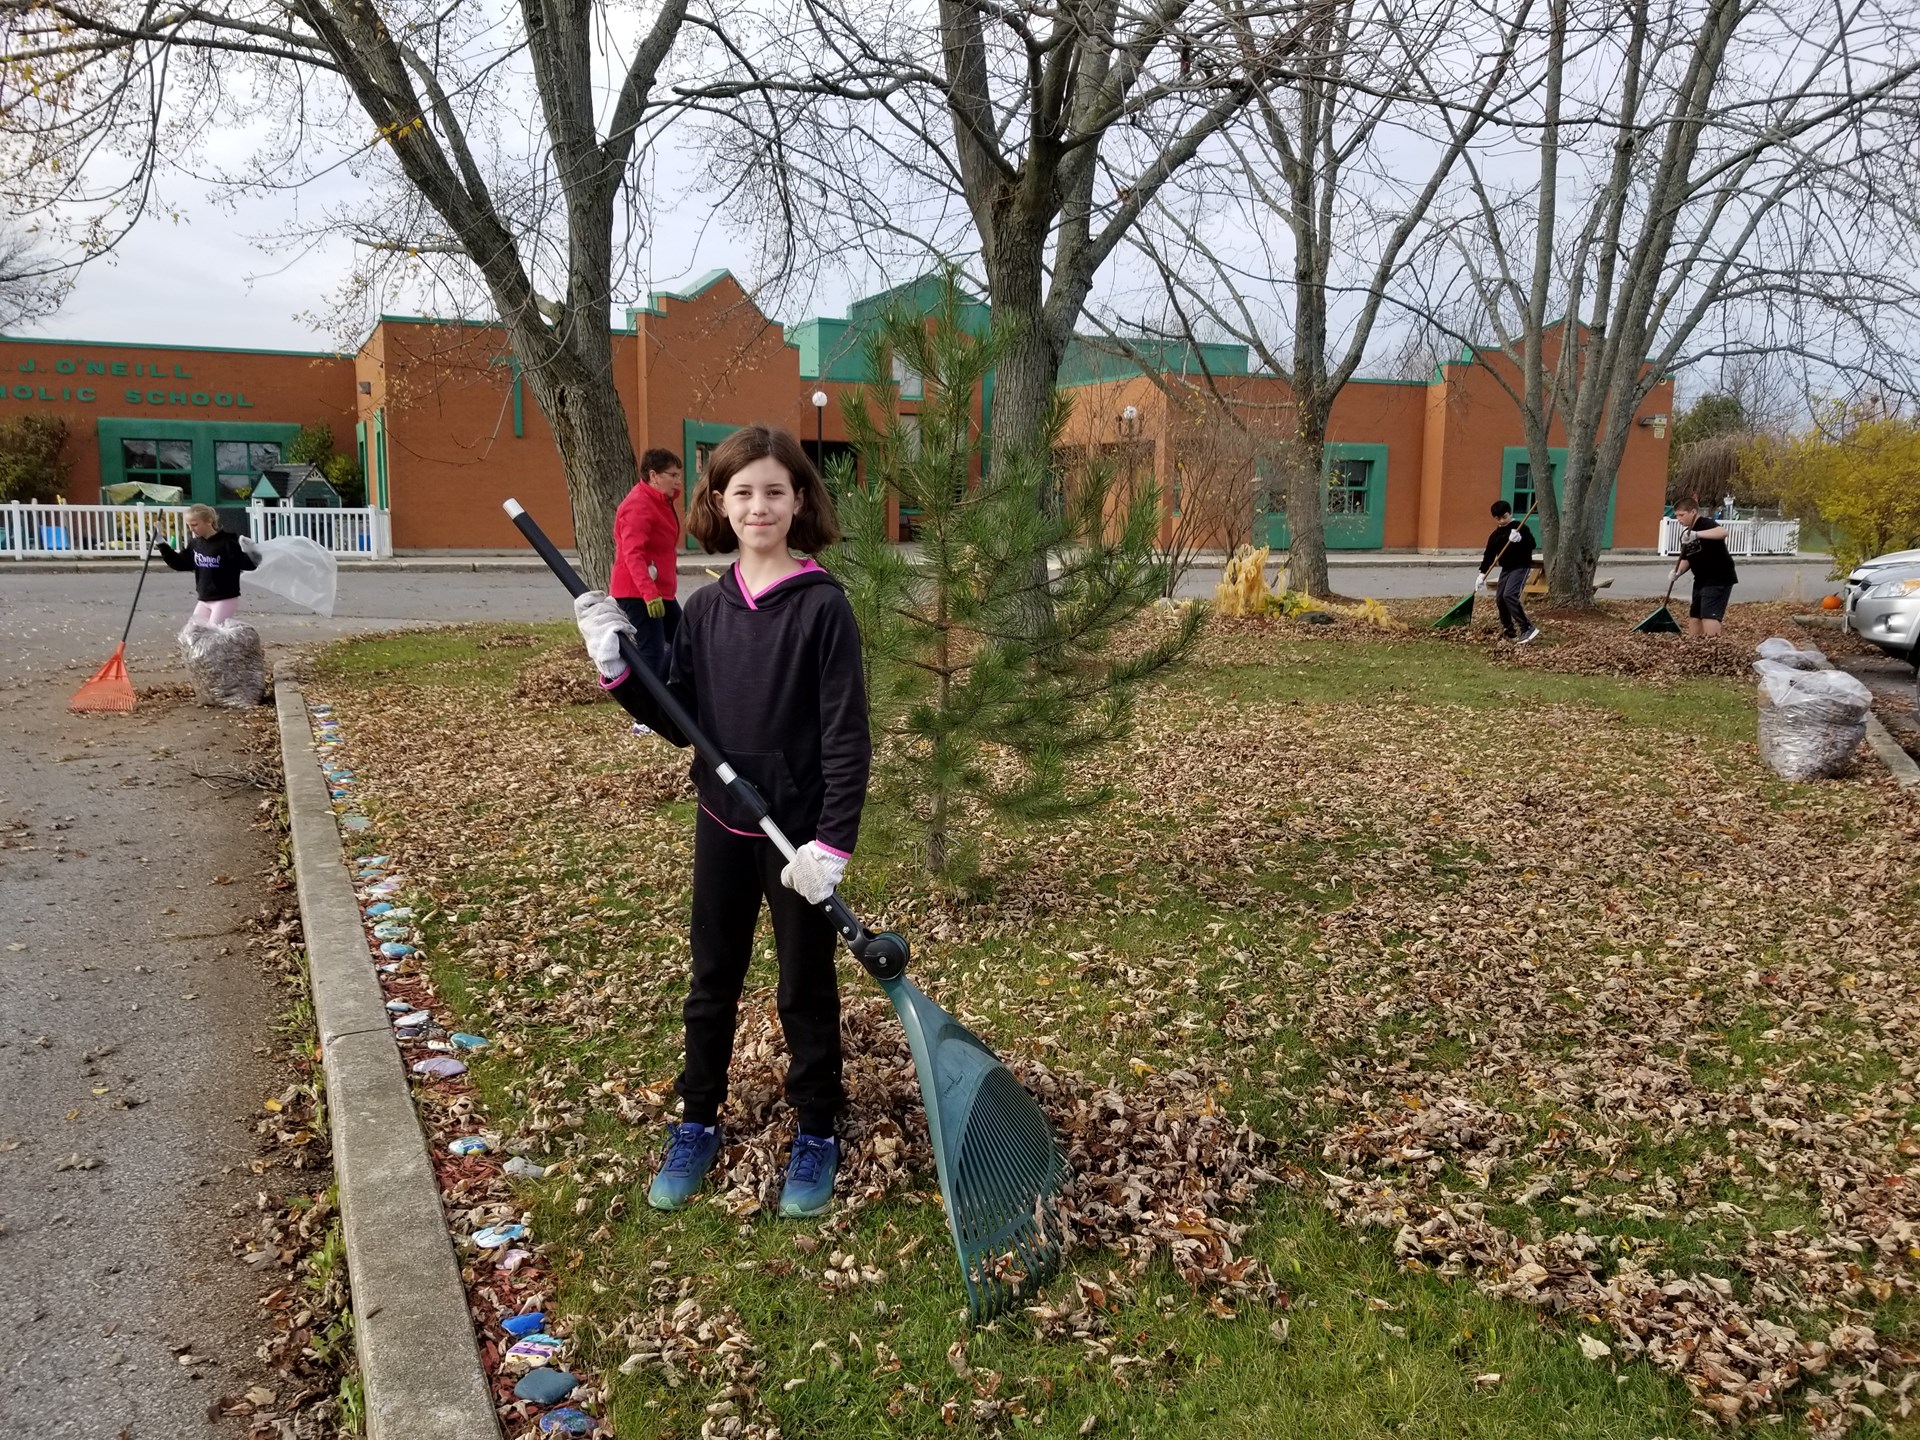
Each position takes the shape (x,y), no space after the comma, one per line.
(646,531)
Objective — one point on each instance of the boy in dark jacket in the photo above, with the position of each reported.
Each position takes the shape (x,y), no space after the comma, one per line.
(1511,548)
(1703,551)
(216,559)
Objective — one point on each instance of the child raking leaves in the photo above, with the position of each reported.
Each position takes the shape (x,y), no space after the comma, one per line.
(767,662)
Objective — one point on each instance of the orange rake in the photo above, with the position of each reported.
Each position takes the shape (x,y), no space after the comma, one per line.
(108,688)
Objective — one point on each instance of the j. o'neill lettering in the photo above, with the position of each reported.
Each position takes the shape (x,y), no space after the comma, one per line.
(148,369)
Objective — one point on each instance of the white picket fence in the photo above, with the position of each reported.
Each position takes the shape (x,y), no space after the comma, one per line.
(1744,537)
(104,532)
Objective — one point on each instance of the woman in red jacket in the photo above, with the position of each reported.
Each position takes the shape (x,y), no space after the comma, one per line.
(646,550)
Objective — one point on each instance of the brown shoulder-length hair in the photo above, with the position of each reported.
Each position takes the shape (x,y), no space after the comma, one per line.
(815,526)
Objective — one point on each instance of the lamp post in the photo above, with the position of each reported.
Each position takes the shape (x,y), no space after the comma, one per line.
(820,429)
(1128,424)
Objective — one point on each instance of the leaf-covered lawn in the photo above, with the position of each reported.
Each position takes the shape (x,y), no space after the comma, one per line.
(1448,1047)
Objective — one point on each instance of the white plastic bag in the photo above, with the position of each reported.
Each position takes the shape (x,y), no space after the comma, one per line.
(1811,721)
(294,568)
(226,662)
(1785,652)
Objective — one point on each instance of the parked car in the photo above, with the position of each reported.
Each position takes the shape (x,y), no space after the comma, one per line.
(1883,604)
(1862,574)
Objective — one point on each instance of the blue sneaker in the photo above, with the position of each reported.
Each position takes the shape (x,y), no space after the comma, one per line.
(810,1172)
(691,1151)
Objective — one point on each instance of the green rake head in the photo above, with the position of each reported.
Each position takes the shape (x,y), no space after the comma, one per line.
(1660,622)
(1459,614)
(995,1153)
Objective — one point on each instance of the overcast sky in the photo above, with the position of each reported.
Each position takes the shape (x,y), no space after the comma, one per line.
(203,282)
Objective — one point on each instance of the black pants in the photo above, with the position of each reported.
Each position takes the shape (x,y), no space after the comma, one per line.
(732,874)
(653,638)
(1513,615)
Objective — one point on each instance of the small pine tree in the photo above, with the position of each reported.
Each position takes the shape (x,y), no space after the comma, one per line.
(987,681)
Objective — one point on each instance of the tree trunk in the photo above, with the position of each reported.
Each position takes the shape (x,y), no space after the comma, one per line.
(1307,500)
(596,449)
(1574,559)
(1023,385)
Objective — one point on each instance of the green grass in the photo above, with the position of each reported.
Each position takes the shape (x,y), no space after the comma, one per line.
(459,657)
(1371,1346)
(1434,672)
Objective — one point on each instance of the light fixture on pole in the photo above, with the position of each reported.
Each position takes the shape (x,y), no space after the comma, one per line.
(820,428)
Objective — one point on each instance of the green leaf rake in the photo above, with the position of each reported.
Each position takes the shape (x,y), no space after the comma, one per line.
(998,1163)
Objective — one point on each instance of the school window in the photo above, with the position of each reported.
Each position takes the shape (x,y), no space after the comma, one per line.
(1524,498)
(912,387)
(237,465)
(158,462)
(1348,483)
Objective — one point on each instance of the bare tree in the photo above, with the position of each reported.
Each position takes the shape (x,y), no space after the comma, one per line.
(1709,178)
(1031,134)
(32,285)
(1329,178)
(495,144)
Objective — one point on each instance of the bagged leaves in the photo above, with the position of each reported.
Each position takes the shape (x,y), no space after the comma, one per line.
(1811,721)
(1785,652)
(226,662)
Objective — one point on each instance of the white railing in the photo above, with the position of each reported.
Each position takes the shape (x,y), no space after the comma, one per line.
(1744,537)
(345,532)
(105,532)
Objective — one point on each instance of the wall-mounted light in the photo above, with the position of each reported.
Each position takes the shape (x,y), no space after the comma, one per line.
(1657,424)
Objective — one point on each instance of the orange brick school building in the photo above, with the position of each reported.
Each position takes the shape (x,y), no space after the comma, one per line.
(444,430)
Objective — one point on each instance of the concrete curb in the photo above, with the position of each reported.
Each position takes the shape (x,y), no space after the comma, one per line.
(1892,754)
(418,1357)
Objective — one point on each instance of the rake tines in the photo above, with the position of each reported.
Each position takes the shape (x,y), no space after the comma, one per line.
(1005,1170)
(994,1152)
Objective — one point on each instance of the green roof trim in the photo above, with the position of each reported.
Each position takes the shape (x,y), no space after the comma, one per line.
(699,287)
(158,345)
(1087,363)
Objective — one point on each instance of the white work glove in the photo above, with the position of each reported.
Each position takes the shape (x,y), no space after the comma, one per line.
(813,873)
(1513,536)
(602,622)
(1480,582)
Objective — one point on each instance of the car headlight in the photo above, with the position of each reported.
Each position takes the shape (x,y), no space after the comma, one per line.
(1893,589)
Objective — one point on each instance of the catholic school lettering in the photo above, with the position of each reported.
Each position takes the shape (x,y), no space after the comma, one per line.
(158,398)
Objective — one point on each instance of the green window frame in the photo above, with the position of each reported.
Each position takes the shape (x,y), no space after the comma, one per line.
(698,437)
(237,465)
(1516,465)
(201,480)
(375,450)
(1357,474)
(157,461)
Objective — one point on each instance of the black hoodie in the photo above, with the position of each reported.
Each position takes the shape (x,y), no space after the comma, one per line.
(216,563)
(775,681)
(1505,551)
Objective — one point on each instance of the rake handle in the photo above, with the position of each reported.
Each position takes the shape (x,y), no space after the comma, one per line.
(883,955)
(141,584)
